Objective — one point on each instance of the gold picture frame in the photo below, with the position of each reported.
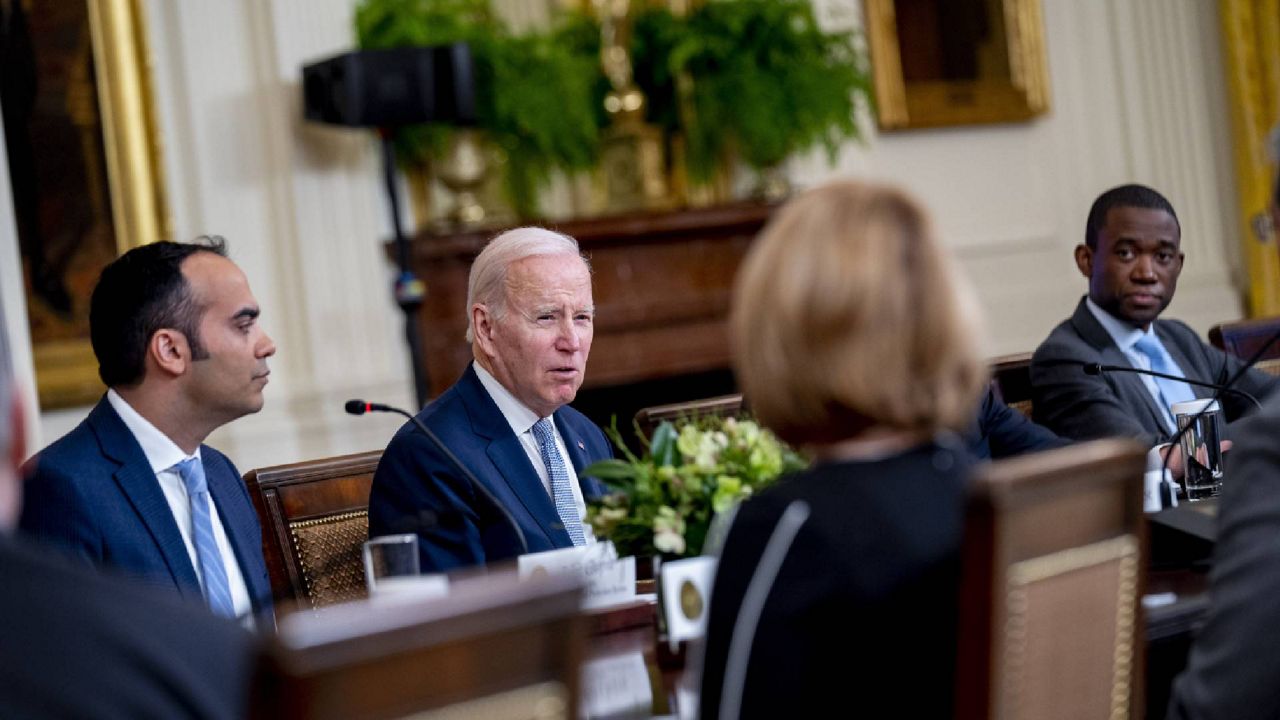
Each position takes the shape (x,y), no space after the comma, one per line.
(956,62)
(110,179)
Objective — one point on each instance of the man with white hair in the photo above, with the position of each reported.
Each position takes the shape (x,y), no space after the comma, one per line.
(530,324)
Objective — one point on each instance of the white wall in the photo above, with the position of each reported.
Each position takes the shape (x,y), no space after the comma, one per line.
(1137,96)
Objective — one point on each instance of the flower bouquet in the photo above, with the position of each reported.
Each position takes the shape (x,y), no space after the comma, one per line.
(663,503)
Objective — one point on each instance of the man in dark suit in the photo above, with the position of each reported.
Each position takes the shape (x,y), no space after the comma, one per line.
(1231,671)
(1132,258)
(174,328)
(506,419)
(79,644)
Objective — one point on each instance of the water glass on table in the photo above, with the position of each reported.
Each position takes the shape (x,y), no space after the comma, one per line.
(1201,447)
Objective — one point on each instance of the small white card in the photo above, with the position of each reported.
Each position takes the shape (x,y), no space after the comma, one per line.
(616,685)
(686,594)
(608,580)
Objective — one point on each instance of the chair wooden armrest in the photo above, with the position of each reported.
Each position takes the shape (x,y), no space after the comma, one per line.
(1012,377)
(650,417)
(1244,337)
(315,519)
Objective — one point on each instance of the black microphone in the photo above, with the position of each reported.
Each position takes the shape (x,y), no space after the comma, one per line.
(360,407)
(1099,369)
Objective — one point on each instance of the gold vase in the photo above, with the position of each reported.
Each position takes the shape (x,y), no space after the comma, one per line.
(463,171)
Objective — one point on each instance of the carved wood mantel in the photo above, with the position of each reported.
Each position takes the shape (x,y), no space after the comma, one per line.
(662,284)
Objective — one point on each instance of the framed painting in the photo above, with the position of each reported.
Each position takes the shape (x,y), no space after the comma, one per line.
(956,62)
(84,164)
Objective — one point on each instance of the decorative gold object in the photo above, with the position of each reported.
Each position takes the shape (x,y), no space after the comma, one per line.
(957,62)
(690,600)
(418,180)
(463,171)
(632,157)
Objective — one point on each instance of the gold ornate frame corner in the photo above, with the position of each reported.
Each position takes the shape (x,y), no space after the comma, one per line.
(66,370)
(1020,94)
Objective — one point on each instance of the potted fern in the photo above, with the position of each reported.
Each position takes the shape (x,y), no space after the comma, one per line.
(536,94)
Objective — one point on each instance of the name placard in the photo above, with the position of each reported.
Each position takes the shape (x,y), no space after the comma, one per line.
(608,580)
(616,686)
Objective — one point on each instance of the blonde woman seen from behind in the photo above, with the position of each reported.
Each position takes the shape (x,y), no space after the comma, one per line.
(855,339)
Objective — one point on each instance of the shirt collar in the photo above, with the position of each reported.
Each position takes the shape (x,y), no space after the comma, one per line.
(518,416)
(162,453)
(1124,335)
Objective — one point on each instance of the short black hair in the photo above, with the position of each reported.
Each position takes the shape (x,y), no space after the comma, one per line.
(1135,196)
(140,292)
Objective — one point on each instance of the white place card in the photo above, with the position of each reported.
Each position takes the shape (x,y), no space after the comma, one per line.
(608,579)
(616,686)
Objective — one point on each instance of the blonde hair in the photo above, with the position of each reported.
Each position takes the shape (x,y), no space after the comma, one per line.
(488,279)
(848,314)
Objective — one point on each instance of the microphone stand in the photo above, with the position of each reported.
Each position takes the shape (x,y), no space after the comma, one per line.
(1097,369)
(360,407)
(409,290)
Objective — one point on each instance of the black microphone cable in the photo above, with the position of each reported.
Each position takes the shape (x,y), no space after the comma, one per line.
(360,407)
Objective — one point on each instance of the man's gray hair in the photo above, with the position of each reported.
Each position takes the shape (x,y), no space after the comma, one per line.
(488,280)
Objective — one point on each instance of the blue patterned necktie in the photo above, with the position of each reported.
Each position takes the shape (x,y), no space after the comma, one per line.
(560,490)
(1171,391)
(216,588)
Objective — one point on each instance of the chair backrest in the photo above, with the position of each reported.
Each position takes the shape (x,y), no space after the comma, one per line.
(1243,337)
(650,417)
(1271,367)
(1054,556)
(315,519)
(493,648)
(1012,377)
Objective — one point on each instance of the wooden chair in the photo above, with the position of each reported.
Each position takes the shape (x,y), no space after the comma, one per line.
(493,648)
(1243,337)
(1011,375)
(650,417)
(315,519)
(1054,556)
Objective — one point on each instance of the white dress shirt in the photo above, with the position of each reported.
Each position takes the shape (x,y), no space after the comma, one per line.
(522,419)
(1126,336)
(162,454)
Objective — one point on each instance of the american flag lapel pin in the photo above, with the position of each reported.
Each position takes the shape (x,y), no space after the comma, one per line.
(581,446)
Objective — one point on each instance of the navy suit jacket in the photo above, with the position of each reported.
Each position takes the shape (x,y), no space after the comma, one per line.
(417,490)
(92,493)
(999,431)
(1083,407)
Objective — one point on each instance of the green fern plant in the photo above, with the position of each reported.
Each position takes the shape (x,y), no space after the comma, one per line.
(536,93)
(766,81)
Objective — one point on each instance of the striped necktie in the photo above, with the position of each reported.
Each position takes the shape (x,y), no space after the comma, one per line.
(566,508)
(217,590)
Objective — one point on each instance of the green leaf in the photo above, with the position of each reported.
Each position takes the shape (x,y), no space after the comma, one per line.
(663,445)
(611,469)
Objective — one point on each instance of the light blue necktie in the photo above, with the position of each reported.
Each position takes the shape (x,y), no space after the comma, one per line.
(216,588)
(560,490)
(1171,391)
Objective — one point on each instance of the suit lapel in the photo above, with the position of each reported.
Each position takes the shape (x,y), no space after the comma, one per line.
(139,485)
(510,459)
(1127,384)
